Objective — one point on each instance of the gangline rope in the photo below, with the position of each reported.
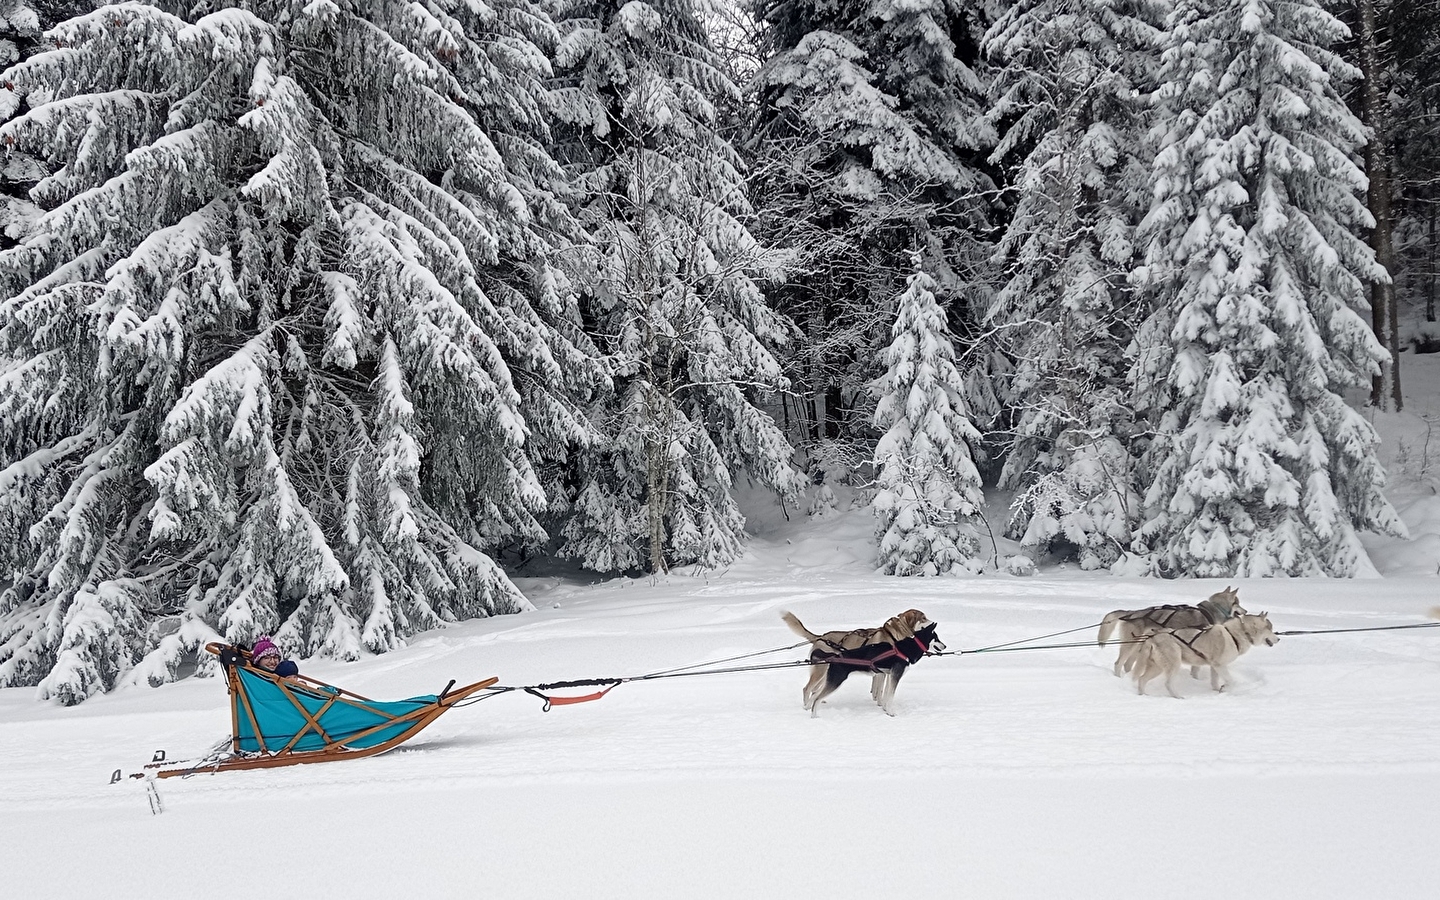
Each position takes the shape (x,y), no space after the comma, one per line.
(609,684)
(1372,628)
(1023,644)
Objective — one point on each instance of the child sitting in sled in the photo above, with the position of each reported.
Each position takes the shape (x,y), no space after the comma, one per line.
(265,655)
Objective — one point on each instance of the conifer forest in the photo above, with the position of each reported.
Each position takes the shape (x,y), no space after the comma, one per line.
(320,317)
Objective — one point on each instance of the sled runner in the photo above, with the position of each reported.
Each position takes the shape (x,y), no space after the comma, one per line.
(287,721)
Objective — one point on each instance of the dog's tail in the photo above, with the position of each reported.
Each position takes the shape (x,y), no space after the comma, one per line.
(1148,660)
(799,629)
(1107,627)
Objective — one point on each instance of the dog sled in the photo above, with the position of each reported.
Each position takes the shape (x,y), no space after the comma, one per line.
(288,721)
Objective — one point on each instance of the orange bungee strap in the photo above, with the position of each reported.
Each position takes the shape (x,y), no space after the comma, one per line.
(551,700)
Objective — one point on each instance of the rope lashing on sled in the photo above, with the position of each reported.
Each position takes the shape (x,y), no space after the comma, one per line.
(1372,628)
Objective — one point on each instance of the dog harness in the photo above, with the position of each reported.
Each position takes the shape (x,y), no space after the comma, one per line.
(1160,616)
(1190,641)
(856,656)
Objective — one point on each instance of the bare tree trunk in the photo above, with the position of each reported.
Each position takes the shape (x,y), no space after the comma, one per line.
(656,365)
(657,447)
(1431,273)
(656,478)
(834,412)
(1383,307)
(817,374)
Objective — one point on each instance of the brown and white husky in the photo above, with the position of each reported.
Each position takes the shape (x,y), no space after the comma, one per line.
(886,652)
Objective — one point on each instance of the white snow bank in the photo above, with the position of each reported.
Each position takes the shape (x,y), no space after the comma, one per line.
(1004,775)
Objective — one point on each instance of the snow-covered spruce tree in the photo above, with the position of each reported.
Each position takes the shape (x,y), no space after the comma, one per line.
(868,142)
(281,335)
(1069,77)
(19,33)
(928,488)
(1258,466)
(22,23)
(674,296)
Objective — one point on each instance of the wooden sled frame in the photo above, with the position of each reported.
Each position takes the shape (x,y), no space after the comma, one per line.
(286,755)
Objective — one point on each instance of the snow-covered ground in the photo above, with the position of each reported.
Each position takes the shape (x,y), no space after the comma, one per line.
(1034,774)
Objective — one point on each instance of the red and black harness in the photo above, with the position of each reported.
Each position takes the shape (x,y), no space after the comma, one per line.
(880,655)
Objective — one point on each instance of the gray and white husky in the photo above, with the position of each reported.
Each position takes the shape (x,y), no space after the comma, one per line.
(1216,646)
(1131,625)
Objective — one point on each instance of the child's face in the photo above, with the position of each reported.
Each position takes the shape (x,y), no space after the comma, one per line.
(269,663)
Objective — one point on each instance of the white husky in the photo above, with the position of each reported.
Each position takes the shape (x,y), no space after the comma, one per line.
(1216,646)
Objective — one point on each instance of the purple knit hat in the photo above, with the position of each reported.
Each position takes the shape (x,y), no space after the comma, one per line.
(263,648)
